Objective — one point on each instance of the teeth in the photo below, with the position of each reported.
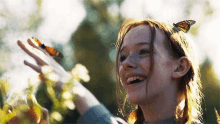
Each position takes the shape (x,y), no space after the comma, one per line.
(130,79)
(135,77)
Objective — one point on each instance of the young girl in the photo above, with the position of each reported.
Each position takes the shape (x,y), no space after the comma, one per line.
(156,69)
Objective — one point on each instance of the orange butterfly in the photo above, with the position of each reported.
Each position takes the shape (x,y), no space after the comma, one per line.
(184,25)
(49,50)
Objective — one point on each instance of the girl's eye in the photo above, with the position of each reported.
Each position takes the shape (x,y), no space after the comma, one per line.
(122,58)
(144,51)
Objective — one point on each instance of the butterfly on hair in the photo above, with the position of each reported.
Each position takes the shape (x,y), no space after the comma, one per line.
(51,51)
(184,25)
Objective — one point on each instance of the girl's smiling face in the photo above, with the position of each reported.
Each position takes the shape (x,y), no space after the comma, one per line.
(135,65)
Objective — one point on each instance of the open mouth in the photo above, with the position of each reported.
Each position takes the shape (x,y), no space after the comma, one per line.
(135,79)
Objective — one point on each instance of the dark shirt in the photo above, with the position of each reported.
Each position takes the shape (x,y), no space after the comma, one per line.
(99,114)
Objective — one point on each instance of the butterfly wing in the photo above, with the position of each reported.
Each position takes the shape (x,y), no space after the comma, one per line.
(191,22)
(49,50)
(184,25)
(37,41)
(53,52)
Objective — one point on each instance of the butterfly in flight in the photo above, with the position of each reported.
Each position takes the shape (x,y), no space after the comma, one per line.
(48,49)
(184,25)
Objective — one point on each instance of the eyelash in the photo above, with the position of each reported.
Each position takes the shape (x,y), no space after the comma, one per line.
(144,51)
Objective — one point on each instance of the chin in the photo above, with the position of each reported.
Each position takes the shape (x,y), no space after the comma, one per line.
(136,99)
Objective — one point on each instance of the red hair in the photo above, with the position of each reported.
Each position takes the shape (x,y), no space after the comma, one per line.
(188,109)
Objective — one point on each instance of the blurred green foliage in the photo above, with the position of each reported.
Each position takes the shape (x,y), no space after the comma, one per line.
(211,91)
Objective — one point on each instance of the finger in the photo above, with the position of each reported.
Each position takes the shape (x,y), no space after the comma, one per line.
(32,42)
(29,50)
(34,67)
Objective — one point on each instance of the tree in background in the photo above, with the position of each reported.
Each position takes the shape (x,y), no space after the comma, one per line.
(211,91)
(93,42)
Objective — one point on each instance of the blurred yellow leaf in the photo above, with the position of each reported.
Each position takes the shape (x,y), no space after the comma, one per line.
(57,116)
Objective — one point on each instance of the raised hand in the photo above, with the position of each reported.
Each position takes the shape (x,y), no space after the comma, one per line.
(42,58)
(47,64)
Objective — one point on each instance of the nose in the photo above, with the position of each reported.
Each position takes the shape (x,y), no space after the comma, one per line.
(130,62)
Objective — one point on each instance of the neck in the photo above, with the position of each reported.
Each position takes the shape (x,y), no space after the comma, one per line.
(161,106)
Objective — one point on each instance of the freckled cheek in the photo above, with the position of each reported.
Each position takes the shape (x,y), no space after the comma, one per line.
(145,64)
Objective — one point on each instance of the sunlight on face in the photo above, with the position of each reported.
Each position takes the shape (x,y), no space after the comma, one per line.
(135,65)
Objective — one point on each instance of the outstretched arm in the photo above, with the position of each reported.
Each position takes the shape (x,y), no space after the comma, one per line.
(86,104)
(82,103)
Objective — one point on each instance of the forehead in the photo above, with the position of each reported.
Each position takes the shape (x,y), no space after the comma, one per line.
(142,34)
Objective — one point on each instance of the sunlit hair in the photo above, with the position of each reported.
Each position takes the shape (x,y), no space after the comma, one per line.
(188,109)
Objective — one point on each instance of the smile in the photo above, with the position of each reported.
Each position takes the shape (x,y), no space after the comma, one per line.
(135,79)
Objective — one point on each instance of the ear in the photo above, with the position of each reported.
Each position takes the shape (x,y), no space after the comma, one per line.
(182,67)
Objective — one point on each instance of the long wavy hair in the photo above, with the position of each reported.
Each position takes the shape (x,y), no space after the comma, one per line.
(188,108)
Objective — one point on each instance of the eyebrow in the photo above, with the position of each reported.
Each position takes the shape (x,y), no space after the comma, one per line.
(138,44)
